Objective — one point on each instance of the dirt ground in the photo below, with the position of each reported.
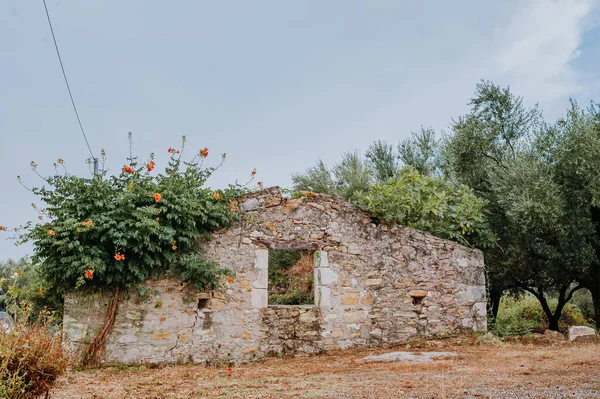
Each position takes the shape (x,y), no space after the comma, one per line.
(493,370)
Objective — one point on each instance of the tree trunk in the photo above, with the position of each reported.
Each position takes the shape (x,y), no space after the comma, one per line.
(553,322)
(563,298)
(493,305)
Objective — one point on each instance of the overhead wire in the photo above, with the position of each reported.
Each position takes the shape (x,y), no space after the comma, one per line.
(67,82)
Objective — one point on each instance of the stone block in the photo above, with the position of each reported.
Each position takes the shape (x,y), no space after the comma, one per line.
(260,298)
(373,282)
(325,276)
(354,249)
(582,334)
(349,298)
(308,317)
(262,279)
(251,204)
(353,316)
(418,293)
(555,336)
(261,261)
(323,296)
(321,259)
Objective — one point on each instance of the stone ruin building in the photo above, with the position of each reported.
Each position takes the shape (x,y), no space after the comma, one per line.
(373,285)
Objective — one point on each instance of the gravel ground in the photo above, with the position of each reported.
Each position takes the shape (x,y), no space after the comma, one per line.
(499,370)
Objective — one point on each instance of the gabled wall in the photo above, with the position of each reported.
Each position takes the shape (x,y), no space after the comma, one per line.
(373,285)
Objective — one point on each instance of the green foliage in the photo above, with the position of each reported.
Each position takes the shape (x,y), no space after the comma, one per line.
(21,280)
(421,151)
(523,315)
(583,300)
(317,179)
(280,261)
(541,184)
(348,177)
(430,204)
(115,231)
(382,160)
(294,297)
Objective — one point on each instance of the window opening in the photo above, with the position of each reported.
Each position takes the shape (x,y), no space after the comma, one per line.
(291,277)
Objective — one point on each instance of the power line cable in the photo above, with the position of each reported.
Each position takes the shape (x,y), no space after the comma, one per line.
(67,82)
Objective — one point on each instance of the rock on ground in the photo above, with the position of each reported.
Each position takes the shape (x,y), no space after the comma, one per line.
(582,334)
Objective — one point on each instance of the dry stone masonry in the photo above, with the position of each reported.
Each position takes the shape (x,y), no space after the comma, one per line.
(374,285)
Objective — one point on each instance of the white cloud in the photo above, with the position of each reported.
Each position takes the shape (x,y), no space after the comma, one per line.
(538,46)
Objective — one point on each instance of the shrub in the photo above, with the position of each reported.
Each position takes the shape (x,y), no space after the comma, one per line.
(31,359)
(115,231)
(21,280)
(431,204)
(523,315)
(583,300)
(296,296)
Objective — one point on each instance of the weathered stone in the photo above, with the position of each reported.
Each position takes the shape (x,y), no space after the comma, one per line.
(380,265)
(582,334)
(418,293)
(325,276)
(555,336)
(249,205)
(349,298)
(372,282)
(409,357)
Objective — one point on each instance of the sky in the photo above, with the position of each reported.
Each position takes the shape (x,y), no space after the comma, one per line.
(274,84)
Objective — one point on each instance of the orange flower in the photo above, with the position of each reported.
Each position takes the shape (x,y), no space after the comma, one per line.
(89,274)
(42,291)
(150,166)
(2,228)
(87,224)
(128,169)
(157,197)
(204,152)
(40,217)
(216,196)
(253,172)
(259,184)
(119,256)
(229,280)
(51,232)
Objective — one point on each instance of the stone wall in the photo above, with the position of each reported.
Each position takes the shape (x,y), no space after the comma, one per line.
(373,285)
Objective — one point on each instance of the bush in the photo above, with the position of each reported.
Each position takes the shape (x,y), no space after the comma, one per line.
(115,231)
(523,315)
(294,297)
(583,300)
(31,359)
(21,280)
(430,204)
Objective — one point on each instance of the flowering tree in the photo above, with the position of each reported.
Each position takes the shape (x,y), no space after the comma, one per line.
(115,231)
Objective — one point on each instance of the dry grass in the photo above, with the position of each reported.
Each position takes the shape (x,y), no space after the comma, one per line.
(301,274)
(478,371)
(31,359)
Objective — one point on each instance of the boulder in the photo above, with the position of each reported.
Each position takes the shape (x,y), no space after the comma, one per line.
(582,334)
(535,338)
(554,336)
